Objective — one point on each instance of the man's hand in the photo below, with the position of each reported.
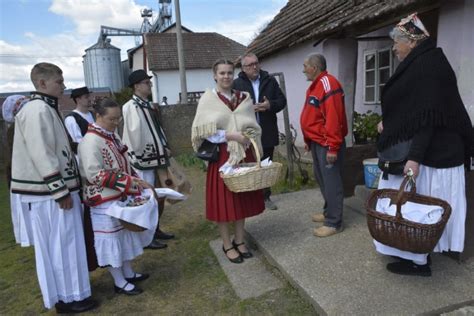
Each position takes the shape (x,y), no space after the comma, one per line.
(264,106)
(65,203)
(306,147)
(414,166)
(331,158)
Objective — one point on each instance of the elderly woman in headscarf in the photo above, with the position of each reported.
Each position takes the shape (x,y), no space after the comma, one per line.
(20,213)
(421,103)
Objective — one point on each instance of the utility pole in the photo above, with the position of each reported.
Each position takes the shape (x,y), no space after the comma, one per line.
(182,68)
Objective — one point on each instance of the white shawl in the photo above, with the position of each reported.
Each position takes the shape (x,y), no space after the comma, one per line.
(212,114)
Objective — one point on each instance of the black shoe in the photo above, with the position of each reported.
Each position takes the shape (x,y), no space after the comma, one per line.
(245,255)
(407,267)
(136,278)
(239,259)
(155,244)
(162,235)
(270,205)
(135,291)
(76,306)
(428,259)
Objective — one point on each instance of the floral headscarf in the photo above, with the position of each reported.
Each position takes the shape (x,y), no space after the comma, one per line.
(12,105)
(413,27)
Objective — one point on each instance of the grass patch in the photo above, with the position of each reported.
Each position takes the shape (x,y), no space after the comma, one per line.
(185,278)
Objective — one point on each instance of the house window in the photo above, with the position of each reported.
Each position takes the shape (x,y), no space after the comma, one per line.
(377,69)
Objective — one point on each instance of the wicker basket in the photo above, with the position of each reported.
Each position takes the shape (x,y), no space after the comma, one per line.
(397,232)
(253,179)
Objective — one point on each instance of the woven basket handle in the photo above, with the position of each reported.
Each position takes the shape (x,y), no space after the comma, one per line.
(257,152)
(402,196)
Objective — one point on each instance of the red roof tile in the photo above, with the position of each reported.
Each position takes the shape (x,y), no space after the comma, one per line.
(201,50)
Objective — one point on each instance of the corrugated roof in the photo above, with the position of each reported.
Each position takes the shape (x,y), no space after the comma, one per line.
(102,44)
(201,50)
(303,20)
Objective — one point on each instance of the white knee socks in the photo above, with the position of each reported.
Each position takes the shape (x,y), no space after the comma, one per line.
(119,279)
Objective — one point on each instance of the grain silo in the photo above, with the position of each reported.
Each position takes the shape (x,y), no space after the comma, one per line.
(102,66)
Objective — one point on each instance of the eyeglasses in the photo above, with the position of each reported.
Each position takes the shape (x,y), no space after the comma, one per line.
(147,82)
(255,64)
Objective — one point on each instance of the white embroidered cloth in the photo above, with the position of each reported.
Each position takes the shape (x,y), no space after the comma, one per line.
(144,215)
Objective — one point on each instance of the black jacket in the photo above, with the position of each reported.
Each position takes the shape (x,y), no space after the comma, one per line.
(271,90)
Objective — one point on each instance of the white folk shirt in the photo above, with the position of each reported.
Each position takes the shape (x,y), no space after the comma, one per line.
(256,92)
(74,129)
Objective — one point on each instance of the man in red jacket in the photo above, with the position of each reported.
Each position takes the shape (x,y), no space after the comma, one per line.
(324,125)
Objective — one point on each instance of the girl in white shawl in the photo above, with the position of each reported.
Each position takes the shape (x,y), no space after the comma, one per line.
(226,117)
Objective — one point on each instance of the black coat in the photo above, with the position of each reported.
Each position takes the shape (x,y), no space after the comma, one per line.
(271,90)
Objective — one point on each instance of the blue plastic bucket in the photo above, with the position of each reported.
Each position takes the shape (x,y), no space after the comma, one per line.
(371,173)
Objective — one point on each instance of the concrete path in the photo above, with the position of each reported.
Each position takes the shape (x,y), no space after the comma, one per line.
(250,278)
(342,274)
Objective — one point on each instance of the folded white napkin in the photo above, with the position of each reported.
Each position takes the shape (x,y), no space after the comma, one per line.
(228,169)
(170,194)
(415,212)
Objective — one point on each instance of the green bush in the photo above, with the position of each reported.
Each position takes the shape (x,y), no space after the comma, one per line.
(123,95)
(365,126)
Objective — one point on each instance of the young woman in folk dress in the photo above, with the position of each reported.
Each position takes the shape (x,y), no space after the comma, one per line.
(224,116)
(109,178)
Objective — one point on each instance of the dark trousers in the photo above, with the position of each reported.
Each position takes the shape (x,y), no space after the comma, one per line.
(267,152)
(329,178)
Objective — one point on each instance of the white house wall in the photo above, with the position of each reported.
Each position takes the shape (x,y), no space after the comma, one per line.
(290,63)
(138,59)
(168,83)
(456,38)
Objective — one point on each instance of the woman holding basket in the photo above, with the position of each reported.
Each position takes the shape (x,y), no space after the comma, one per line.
(226,117)
(110,186)
(422,107)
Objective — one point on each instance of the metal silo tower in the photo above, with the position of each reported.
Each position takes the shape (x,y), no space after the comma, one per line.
(102,66)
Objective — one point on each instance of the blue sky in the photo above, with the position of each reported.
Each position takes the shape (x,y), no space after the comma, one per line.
(59,31)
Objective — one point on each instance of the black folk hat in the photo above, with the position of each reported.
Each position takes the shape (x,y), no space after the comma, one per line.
(137,76)
(76,93)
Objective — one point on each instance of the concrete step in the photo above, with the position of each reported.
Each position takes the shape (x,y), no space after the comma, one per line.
(250,278)
(342,274)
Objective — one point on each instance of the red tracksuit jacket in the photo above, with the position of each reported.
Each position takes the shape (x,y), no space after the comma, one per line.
(323,119)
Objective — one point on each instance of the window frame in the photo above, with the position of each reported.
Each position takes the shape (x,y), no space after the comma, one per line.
(376,69)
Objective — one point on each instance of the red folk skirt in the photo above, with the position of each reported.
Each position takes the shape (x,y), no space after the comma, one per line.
(223,205)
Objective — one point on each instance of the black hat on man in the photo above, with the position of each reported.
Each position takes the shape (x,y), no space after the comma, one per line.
(76,93)
(137,76)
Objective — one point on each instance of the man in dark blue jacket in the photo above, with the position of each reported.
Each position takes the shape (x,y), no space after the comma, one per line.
(268,99)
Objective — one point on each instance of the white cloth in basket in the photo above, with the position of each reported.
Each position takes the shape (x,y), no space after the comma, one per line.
(415,212)
(228,169)
(447,184)
(144,215)
(113,243)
